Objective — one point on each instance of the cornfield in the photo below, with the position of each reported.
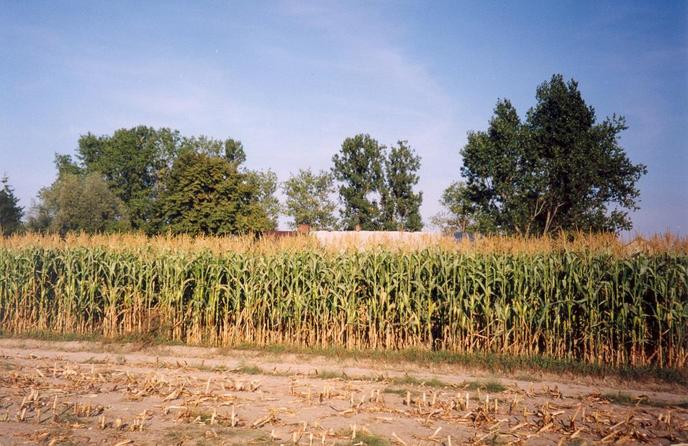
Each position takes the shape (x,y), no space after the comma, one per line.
(597,301)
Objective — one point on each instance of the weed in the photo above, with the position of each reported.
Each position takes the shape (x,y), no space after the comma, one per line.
(624,399)
(486,386)
(248,369)
(362,438)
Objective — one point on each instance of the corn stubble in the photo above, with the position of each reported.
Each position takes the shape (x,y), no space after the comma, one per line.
(592,299)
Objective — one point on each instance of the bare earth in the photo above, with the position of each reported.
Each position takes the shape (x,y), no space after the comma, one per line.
(67,393)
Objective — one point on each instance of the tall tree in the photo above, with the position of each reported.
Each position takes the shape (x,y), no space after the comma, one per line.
(358,167)
(205,194)
(231,149)
(234,151)
(132,161)
(79,203)
(559,170)
(10,211)
(136,161)
(308,200)
(265,183)
(400,204)
(65,164)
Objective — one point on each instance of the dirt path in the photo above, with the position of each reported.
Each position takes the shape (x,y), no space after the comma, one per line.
(67,393)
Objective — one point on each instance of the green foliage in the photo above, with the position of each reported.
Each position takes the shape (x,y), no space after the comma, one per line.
(359,169)
(376,188)
(79,203)
(308,199)
(458,212)
(361,439)
(137,165)
(559,170)
(66,165)
(487,386)
(133,162)
(231,149)
(400,204)
(265,184)
(205,194)
(234,151)
(10,211)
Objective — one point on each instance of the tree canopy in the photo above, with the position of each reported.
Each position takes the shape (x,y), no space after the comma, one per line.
(376,187)
(137,163)
(458,211)
(265,184)
(79,203)
(558,170)
(308,199)
(206,194)
(132,162)
(10,211)
(401,205)
(359,169)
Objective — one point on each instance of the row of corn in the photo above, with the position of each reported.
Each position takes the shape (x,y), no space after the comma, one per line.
(587,306)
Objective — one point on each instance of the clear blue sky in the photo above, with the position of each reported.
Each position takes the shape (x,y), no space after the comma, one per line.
(293,79)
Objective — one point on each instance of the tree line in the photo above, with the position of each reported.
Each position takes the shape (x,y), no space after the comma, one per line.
(557,169)
(156,180)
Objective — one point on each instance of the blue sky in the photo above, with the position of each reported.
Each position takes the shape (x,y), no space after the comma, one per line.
(292,79)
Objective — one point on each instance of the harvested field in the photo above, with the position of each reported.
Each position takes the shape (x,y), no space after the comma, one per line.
(66,393)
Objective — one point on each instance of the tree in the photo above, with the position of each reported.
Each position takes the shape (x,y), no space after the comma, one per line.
(133,162)
(79,203)
(136,161)
(458,212)
(400,204)
(359,169)
(232,150)
(559,170)
(308,200)
(265,183)
(65,164)
(10,211)
(205,194)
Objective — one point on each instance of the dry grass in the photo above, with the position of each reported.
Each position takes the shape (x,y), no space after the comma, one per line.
(575,241)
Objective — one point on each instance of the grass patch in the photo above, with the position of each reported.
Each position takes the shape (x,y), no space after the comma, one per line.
(5,365)
(194,435)
(330,374)
(412,380)
(93,360)
(624,399)
(484,361)
(527,377)
(362,438)
(496,363)
(395,391)
(209,368)
(398,380)
(67,417)
(198,415)
(486,386)
(248,369)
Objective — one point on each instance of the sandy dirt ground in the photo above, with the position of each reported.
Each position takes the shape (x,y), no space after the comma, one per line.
(73,393)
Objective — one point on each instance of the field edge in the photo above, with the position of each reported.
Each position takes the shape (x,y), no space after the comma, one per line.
(490,363)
